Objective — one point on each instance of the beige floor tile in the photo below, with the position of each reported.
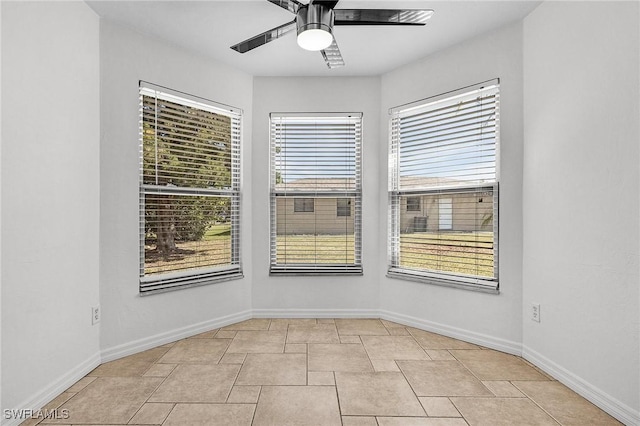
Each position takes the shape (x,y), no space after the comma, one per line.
(81,384)
(273,369)
(295,348)
(420,421)
(52,410)
(32,421)
(61,399)
(195,351)
(440,355)
(252,324)
(359,421)
(397,331)
(197,383)
(319,333)
(438,407)
(494,365)
(326,321)
(430,340)
(211,414)
(108,400)
(502,411)
(283,323)
(361,327)
(338,357)
(298,405)
(442,378)
(391,324)
(206,335)
(232,358)
(393,347)
(159,370)
(350,339)
(226,334)
(384,365)
(244,395)
(250,341)
(376,394)
(152,414)
(320,378)
(167,345)
(130,366)
(564,405)
(503,388)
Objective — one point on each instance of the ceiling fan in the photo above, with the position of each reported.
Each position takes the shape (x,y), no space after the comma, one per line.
(314,23)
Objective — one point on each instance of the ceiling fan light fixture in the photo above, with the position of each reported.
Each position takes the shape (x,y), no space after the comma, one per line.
(315,27)
(315,39)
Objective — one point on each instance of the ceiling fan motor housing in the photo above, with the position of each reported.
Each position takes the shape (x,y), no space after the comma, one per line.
(315,17)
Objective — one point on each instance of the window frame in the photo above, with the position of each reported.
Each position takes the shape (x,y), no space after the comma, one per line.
(343,211)
(355,268)
(181,279)
(304,205)
(395,192)
(418,206)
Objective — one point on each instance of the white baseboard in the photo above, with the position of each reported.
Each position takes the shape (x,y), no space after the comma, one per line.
(316,313)
(54,389)
(140,345)
(485,340)
(606,402)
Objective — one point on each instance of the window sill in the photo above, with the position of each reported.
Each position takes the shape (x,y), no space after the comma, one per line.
(149,287)
(310,270)
(490,287)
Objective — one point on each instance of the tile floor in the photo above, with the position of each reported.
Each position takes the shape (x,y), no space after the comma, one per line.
(321,372)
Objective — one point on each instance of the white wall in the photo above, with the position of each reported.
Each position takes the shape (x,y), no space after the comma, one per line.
(50,198)
(581,195)
(329,295)
(131,322)
(491,319)
(1,214)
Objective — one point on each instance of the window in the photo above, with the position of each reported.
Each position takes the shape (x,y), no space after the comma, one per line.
(303,205)
(343,207)
(315,184)
(189,190)
(442,164)
(413,204)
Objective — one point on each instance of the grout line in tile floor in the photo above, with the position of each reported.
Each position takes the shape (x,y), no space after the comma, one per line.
(196,391)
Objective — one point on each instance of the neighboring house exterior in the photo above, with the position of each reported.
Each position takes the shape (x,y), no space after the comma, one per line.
(304,213)
(309,215)
(448,210)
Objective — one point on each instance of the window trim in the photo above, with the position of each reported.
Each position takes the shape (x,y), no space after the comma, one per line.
(440,278)
(176,280)
(294,269)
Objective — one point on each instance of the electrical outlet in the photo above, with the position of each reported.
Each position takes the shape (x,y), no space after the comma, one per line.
(535,312)
(95,315)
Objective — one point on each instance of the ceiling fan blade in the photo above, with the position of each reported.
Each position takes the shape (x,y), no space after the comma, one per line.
(332,56)
(264,38)
(290,5)
(382,16)
(329,4)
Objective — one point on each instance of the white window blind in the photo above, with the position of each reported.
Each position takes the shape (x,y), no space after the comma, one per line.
(189,190)
(316,193)
(443,189)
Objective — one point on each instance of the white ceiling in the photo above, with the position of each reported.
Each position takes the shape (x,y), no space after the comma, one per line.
(211,27)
